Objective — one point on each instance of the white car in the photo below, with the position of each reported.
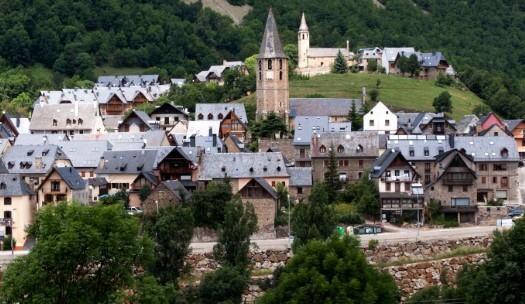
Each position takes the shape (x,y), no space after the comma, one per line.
(134,210)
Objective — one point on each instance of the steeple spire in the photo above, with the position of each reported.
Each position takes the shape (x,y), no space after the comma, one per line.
(303,27)
(271,44)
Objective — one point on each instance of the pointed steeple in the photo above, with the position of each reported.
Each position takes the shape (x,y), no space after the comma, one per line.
(303,27)
(271,44)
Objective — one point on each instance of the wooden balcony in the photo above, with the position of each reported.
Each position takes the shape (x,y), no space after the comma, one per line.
(454,181)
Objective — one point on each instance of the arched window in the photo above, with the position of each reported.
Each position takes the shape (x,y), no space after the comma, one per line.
(68,121)
(210,116)
(281,75)
(269,64)
(220,116)
(322,149)
(200,116)
(80,121)
(260,65)
(303,36)
(280,64)
(340,149)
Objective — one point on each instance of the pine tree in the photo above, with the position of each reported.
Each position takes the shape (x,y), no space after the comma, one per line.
(354,117)
(332,177)
(340,64)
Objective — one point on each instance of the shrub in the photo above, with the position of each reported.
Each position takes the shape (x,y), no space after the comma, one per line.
(7,242)
(372,244)
(224,284)
(281,220)
(345,214)
(498,202)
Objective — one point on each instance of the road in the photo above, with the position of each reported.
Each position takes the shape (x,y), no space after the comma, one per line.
(388,237)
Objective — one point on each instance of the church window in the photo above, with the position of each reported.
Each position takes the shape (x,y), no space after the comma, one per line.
(303,36)
(281,75)
(260,75)
(54,122)
(280,64)
(269,64)
(260,65)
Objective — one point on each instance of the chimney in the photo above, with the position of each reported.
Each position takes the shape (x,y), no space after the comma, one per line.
(348,45)
(214,137)
(451,141)
(45,139)
(17,120)
(192,141)
(76,109)
(224,62)
(210,132)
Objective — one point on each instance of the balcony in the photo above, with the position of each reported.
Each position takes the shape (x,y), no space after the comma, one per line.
(461,181)
(461,209)
(402,205)
(401,178)
(302,156)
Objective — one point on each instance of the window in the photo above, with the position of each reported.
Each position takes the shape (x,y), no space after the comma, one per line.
(483,167)
(398,187)
(7,201)
(281,75)
(68,122)
(460,202)
(302,153)
(411,151)
(343,163)
(3,186)
(361,163)
(359,175)
(499,167)
(325,163)
(299,190)
(387,187)
(269,64)
(280,64)
(407,187)
(322,149)
(359,149)
(371,123)
(210,116)
(465,188)
(396,173)
(494,179)
(340,149)
(426,152)
(505,153)
(220,116)
(387,123)
(483,179)
(342,176)
(55,186)
(450,188)
(54,122)
(496,133)
(166,120)
(200,116)
(504,182)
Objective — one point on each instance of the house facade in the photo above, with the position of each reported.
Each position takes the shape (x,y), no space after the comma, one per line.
(63,184)
(380,119)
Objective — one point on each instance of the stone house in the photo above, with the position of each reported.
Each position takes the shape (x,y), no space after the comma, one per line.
(137,121)
(365,56)
(496,160)
(355,153)
(300,183)
(335,108)
(232,144)
(175,164)
(389,57)
(380,119)
(144,180)
(455,187)
(394,176)
(63,184)
(517,128)
(217,111)
(263,197)
(17,207)
(167,193)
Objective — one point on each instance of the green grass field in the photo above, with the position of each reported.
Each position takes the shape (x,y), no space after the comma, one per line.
(397,92)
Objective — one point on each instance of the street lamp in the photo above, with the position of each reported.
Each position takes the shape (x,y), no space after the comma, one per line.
(12,233)
(157,203)
(417,189)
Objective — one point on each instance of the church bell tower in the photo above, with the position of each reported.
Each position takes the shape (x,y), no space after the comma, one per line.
(272,74)
(303,43)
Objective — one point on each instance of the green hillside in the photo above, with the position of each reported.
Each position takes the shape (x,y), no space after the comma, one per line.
(398,92)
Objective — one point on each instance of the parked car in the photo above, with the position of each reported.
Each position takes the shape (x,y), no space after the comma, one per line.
(516,212)
(134,210)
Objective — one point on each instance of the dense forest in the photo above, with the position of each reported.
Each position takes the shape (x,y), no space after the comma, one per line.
(73,37)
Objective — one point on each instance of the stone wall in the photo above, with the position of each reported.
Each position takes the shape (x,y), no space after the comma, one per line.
(285,144)
(488,215)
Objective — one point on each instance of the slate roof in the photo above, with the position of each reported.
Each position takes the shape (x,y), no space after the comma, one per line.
(264,184)
(371,53)
(85,153)
(463,127)
(128,94)
(127,80)
(44,116)
(303,27)
(488,148)
(497,127)
(143,117)
(306,126)
(71,178)
(238,143)
(188,154)
(431,59)
(97,181)
(271,46)
(22,124)
(512,123)
(355,144)
(14,185)
(67,96)
(153,138)
(404,119)
(178,82)
(177,188)
(221,108)
(300,176)
(127,162)
(206,143)
(111,121)
(242,165)
(26,155)
(322,106)
(202,127)
(40,139)
(383,162)
(391,53)
(168,108)
(419,144)
(3,145)
(329,52)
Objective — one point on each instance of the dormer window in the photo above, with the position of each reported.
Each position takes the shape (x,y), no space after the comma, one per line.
(54,122)
(30,152)
(68,122)
(44,153)
(80,121)
(359,149)
(210,116)
(220,116)
(322,149)
(504,153)
(200,116)
(3,186)
(74,121)
(340,149)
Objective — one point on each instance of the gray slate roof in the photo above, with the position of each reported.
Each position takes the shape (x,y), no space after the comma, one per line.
(71,178)
(488,148)
(367,141)
(242,165)
(391,53)
(329,52)
(127,162)
(177,188)
(153,138)
(43,116)
(221,108)
(512,123)
(322,106)
(432,59)
(127,80)
(300,176)
(14,185)
(26,155)
(22,124)
(305,126)
(419,144)
(85,153)
(383,162)
(261,181)
(271,46)
(463,127)
(35,139)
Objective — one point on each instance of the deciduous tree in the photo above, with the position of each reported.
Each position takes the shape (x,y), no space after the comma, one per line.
(442,103)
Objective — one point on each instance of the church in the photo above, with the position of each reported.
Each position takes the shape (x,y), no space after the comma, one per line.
(315,61)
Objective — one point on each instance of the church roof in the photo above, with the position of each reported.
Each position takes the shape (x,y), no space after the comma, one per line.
(271,46)
(303,27)
(328,52)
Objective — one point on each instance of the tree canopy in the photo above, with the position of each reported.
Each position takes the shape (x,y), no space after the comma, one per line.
(267,128)
(340,64)
(84,254)
(442,103)
(335,271)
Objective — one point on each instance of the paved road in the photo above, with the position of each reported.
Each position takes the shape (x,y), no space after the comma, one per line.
(408,235)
